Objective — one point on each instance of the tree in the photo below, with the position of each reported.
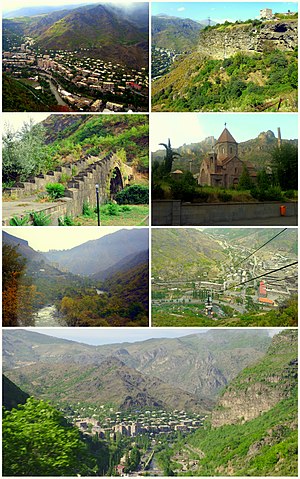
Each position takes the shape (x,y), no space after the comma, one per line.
(24,152)
(13,268)
(285,166)
(245,182)
(38,441)
(170,155)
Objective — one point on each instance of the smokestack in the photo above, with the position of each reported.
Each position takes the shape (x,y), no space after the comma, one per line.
(278,137)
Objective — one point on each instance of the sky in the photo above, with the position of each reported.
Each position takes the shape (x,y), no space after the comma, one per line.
(219,12)
(54,237)
(10,5)
(97,336)
(16,120)
(194,127)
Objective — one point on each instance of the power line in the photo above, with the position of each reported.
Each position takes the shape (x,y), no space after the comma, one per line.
(262,275)
(237,264)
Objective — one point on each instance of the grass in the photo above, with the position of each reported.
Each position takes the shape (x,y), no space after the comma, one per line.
(135,215)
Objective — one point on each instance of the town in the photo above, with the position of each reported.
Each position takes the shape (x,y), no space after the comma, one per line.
(75,79)
(161,61)
(232,290)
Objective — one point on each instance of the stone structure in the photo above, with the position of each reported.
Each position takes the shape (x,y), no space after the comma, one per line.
(223,167)
(225,42)
(109,172)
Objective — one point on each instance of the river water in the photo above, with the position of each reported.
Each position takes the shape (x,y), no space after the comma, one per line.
(48,316)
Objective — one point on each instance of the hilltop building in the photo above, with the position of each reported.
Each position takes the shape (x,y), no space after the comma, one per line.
(266,13)
(223,167)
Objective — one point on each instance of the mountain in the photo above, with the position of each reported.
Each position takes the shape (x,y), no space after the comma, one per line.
(210,79)
(40,10)
(98,255)
(254,425)
(200,364)
(259,387)
(173,33)
(184,253)
(11,394)
(127,263)
(109,31)
(257,151)
(34,260)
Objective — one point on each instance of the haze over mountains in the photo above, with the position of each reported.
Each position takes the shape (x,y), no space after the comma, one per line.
(197,366)
(113,31)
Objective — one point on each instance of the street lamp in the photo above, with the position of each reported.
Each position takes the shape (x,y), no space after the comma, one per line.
(98,206)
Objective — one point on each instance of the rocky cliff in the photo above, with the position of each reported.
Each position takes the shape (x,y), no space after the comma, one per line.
(223,42)
(260,387)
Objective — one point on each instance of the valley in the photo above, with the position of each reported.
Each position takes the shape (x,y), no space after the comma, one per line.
(210,282)
(46,63)
(41,290)
(121,427)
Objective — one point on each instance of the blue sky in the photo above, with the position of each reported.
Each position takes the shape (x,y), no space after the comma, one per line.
(219,11)
(194,127)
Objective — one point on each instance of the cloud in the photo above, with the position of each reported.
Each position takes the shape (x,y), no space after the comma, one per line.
(181,9)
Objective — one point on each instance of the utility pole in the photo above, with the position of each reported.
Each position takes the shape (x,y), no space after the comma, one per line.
(98,205)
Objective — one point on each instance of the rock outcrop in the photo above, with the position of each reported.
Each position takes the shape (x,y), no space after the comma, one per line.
(260,387)
(223,42)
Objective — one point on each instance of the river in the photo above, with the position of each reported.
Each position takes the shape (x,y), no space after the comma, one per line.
(48,317)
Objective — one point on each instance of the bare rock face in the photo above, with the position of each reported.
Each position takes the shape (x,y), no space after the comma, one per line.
(225,42)
(260,387)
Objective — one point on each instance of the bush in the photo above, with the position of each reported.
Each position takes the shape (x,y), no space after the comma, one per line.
(19,221)
(55,190)
(66,221)
(112,209)
(223,196)
(87,209)
(39,218)
(133,195)
(290,194)
(273,193)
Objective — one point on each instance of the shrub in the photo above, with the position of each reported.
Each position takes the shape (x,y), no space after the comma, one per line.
(66,221)
(135,194)
(290,194)
(39,218)
(19,221)
(273,193)
(87,209)
(55,190)
(64,178)
(125,208)
(112,209)
(224,196)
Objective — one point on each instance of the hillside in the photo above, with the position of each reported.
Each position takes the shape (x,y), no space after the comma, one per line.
(111,382)
(173,33)
(11,394)
(184,253)
(110,32)
(257,414)
(98,255)
(257,73)
(18,97)
(200,364)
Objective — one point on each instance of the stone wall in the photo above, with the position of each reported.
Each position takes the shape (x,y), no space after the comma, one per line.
(176,213)
(225,42)
(81,187)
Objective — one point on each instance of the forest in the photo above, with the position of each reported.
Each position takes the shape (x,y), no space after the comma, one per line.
(122,300)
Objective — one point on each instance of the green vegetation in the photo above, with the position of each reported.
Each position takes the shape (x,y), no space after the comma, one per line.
(39,218)
(244,82)
(55,190)
(177,315)
(38,441)
(112,214)
(18,96)
(24,153)
(133,195)
(19,220)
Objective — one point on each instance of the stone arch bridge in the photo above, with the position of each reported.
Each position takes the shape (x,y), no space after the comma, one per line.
(82,176)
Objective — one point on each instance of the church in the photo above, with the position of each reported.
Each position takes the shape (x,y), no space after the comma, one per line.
(223,167)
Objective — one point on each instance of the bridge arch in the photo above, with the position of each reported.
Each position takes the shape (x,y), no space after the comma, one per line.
(116,183)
